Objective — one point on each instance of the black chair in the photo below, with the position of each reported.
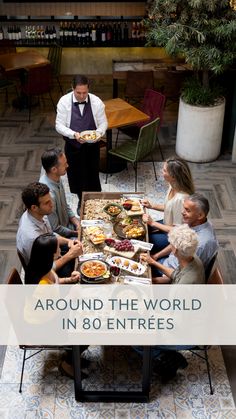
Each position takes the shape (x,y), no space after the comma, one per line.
(15,279)
(22,260)
(6,84)
(54,56)
(202,353)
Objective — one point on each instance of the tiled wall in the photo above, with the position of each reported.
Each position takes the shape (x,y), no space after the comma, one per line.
(78,9)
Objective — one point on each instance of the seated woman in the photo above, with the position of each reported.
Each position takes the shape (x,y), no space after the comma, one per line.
(184,242)
(39,270)
(177,174)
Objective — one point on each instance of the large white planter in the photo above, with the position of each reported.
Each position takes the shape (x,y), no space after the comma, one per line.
(199,131)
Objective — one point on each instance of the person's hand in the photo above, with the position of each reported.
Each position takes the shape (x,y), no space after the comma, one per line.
(75,276)
(78,138)
(147,219)
(145,257)
(146,203)
(75,249)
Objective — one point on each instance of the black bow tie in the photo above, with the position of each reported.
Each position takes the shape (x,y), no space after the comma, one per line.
(80,103)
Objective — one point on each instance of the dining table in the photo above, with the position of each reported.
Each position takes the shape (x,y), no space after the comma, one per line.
(99,199)
(22,60)
(119,113)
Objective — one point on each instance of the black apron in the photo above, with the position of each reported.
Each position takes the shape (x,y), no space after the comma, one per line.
(83,159)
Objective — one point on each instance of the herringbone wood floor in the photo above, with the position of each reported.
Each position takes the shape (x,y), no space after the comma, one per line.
(21,146)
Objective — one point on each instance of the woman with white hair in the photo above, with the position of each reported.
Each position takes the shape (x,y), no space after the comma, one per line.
(184,242)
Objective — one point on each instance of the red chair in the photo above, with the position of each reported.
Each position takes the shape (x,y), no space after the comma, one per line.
(153,105)
(38,82)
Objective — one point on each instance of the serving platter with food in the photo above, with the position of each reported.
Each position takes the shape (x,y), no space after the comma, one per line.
(130,230)
(90,136)
(127,265)
(133,207)
(121,247)
(94,271)
(95,234)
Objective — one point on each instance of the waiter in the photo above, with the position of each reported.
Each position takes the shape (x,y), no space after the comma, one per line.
(79,111)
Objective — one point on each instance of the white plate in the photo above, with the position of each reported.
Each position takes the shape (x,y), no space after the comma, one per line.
(91,133)
(127,264)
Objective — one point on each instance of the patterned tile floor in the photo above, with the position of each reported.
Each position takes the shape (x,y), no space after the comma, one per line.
(46,394)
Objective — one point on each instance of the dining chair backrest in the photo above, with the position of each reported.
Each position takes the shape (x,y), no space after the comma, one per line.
(153,105)
(22,260)
(39,80)
(146,142)
(54,56)
(14,278)
(136,84)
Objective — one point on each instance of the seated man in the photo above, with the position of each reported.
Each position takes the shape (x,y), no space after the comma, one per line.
(183,241)
(62,219)
(34,222)
(196,208)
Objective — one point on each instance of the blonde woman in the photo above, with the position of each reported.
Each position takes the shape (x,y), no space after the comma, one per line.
(177,174)
(184,242)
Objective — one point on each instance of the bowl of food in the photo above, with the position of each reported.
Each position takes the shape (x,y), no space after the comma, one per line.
(90,136)
(113,209)
(94,271)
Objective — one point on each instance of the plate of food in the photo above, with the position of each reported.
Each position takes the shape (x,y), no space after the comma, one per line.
(135,229)
(90,136)
(127,265)
(94,271)
(120,247)
(113,209)
(133,207)
(95,234)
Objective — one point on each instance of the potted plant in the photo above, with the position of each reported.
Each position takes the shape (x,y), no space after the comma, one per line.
(203,32)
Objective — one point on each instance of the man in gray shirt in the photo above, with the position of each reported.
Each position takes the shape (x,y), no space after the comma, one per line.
(195,210)
(34,222)
(62,219)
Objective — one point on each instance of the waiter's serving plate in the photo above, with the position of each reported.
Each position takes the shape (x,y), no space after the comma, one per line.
(90,136)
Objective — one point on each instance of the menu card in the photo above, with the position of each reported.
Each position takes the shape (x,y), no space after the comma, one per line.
(87,256)
(141,244)
(89,223)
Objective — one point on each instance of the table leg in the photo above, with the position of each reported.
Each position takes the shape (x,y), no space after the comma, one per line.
(113,396)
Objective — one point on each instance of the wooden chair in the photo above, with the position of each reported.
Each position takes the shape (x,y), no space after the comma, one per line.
(136,84)
(136,151)
(153,105)
(38,82)
(54,56)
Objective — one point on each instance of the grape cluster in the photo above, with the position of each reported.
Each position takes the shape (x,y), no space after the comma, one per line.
(124,245)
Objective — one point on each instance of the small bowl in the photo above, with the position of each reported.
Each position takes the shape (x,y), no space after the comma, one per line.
(127,206)
(113,209)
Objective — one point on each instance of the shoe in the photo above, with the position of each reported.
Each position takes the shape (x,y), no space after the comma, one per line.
(168,364)
(68,370)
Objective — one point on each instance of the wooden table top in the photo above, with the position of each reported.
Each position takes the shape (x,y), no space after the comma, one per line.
(120,113)
(24,59)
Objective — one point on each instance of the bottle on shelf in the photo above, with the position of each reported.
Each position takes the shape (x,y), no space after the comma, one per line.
(103,34)
(94,34)
(133,32)
(1,34)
